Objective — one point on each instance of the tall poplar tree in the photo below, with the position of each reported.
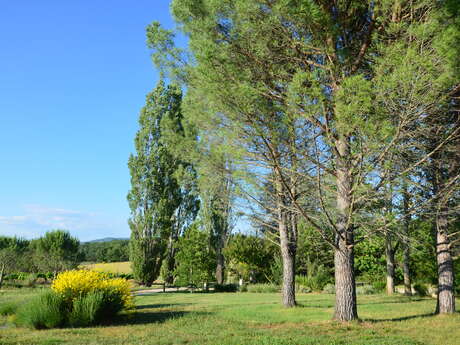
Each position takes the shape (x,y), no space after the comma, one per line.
(155,194)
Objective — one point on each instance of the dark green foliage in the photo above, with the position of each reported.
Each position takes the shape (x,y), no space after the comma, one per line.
(225,288)
(46,310)
(110,251)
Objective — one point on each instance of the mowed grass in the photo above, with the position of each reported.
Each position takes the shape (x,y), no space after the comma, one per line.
(245,318)
(111,267)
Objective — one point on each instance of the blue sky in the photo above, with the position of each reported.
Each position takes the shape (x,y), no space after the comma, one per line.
(73,77)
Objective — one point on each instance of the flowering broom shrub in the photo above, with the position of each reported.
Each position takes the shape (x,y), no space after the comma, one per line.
(77,283)
(78,298)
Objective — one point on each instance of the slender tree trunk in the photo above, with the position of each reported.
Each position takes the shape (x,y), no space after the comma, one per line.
(390,261)
(345,288)
(288,252)
(406,243)
(220,268)
(446,296)
(2,271)
(171,259)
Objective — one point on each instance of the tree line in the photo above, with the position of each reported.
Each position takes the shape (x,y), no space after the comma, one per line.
(342,116)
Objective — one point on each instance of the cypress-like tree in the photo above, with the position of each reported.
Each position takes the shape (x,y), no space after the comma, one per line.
(155,193)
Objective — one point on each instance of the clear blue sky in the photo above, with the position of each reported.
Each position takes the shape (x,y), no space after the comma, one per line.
(73,77)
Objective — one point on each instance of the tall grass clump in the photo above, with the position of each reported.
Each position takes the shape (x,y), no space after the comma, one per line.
(47,310)
(264,288)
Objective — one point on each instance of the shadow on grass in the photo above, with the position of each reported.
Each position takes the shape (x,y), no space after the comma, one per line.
(398,319)
(162,305)
(144,318)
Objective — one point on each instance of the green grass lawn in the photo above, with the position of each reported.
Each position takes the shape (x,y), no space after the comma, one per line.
(245,318)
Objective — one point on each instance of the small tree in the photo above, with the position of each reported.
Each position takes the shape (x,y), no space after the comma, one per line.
(195,259)
(56,251)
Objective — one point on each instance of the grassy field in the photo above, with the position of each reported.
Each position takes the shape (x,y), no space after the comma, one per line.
(111,267)
(245,318)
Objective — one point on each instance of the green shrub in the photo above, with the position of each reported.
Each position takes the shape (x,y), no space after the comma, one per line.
(8,308)
(243,288)
(47,310)
(302,289)
(263,288)
(421,289)
(379,285)
(329,288)
(87,309)
(365,290)
(316,278)
(225,288)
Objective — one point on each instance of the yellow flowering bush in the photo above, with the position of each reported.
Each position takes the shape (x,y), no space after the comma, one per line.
(77,283)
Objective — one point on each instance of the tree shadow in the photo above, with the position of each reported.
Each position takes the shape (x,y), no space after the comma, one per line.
(161,305)
(144,318)
(398,319)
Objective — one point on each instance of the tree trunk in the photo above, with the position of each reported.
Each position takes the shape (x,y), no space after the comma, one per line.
(288,251)
(446,296)
(406,244)
(2,271)
(345,289)
(390,261)
(170,259)
(220,268)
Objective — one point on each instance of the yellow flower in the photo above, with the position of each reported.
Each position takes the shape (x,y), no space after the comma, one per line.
(76,283)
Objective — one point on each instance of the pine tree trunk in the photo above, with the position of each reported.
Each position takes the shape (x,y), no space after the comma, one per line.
(406,244)
(446,296)
(345,288)
(390,262)
(288,255)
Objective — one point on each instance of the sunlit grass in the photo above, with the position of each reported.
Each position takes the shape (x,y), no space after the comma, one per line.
(248,318)
(123,267)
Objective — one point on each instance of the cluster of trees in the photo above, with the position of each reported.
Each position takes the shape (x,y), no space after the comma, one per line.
(105,251)
(337,116)
(54,252)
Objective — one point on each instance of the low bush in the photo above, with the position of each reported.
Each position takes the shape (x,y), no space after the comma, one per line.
(316,278)
(263,288)
(421,289)
(379,285)
(77,299)
(225,288)
(47,310)
(365,290)
(8,308)
(329,288)
(302,289)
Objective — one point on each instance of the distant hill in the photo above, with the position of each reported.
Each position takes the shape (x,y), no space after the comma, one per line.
(108,239)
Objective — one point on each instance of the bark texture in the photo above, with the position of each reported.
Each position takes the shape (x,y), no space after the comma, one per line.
(220,267)
(406,244)
(288,254)
(345,288)
(446,296)
(390,263)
